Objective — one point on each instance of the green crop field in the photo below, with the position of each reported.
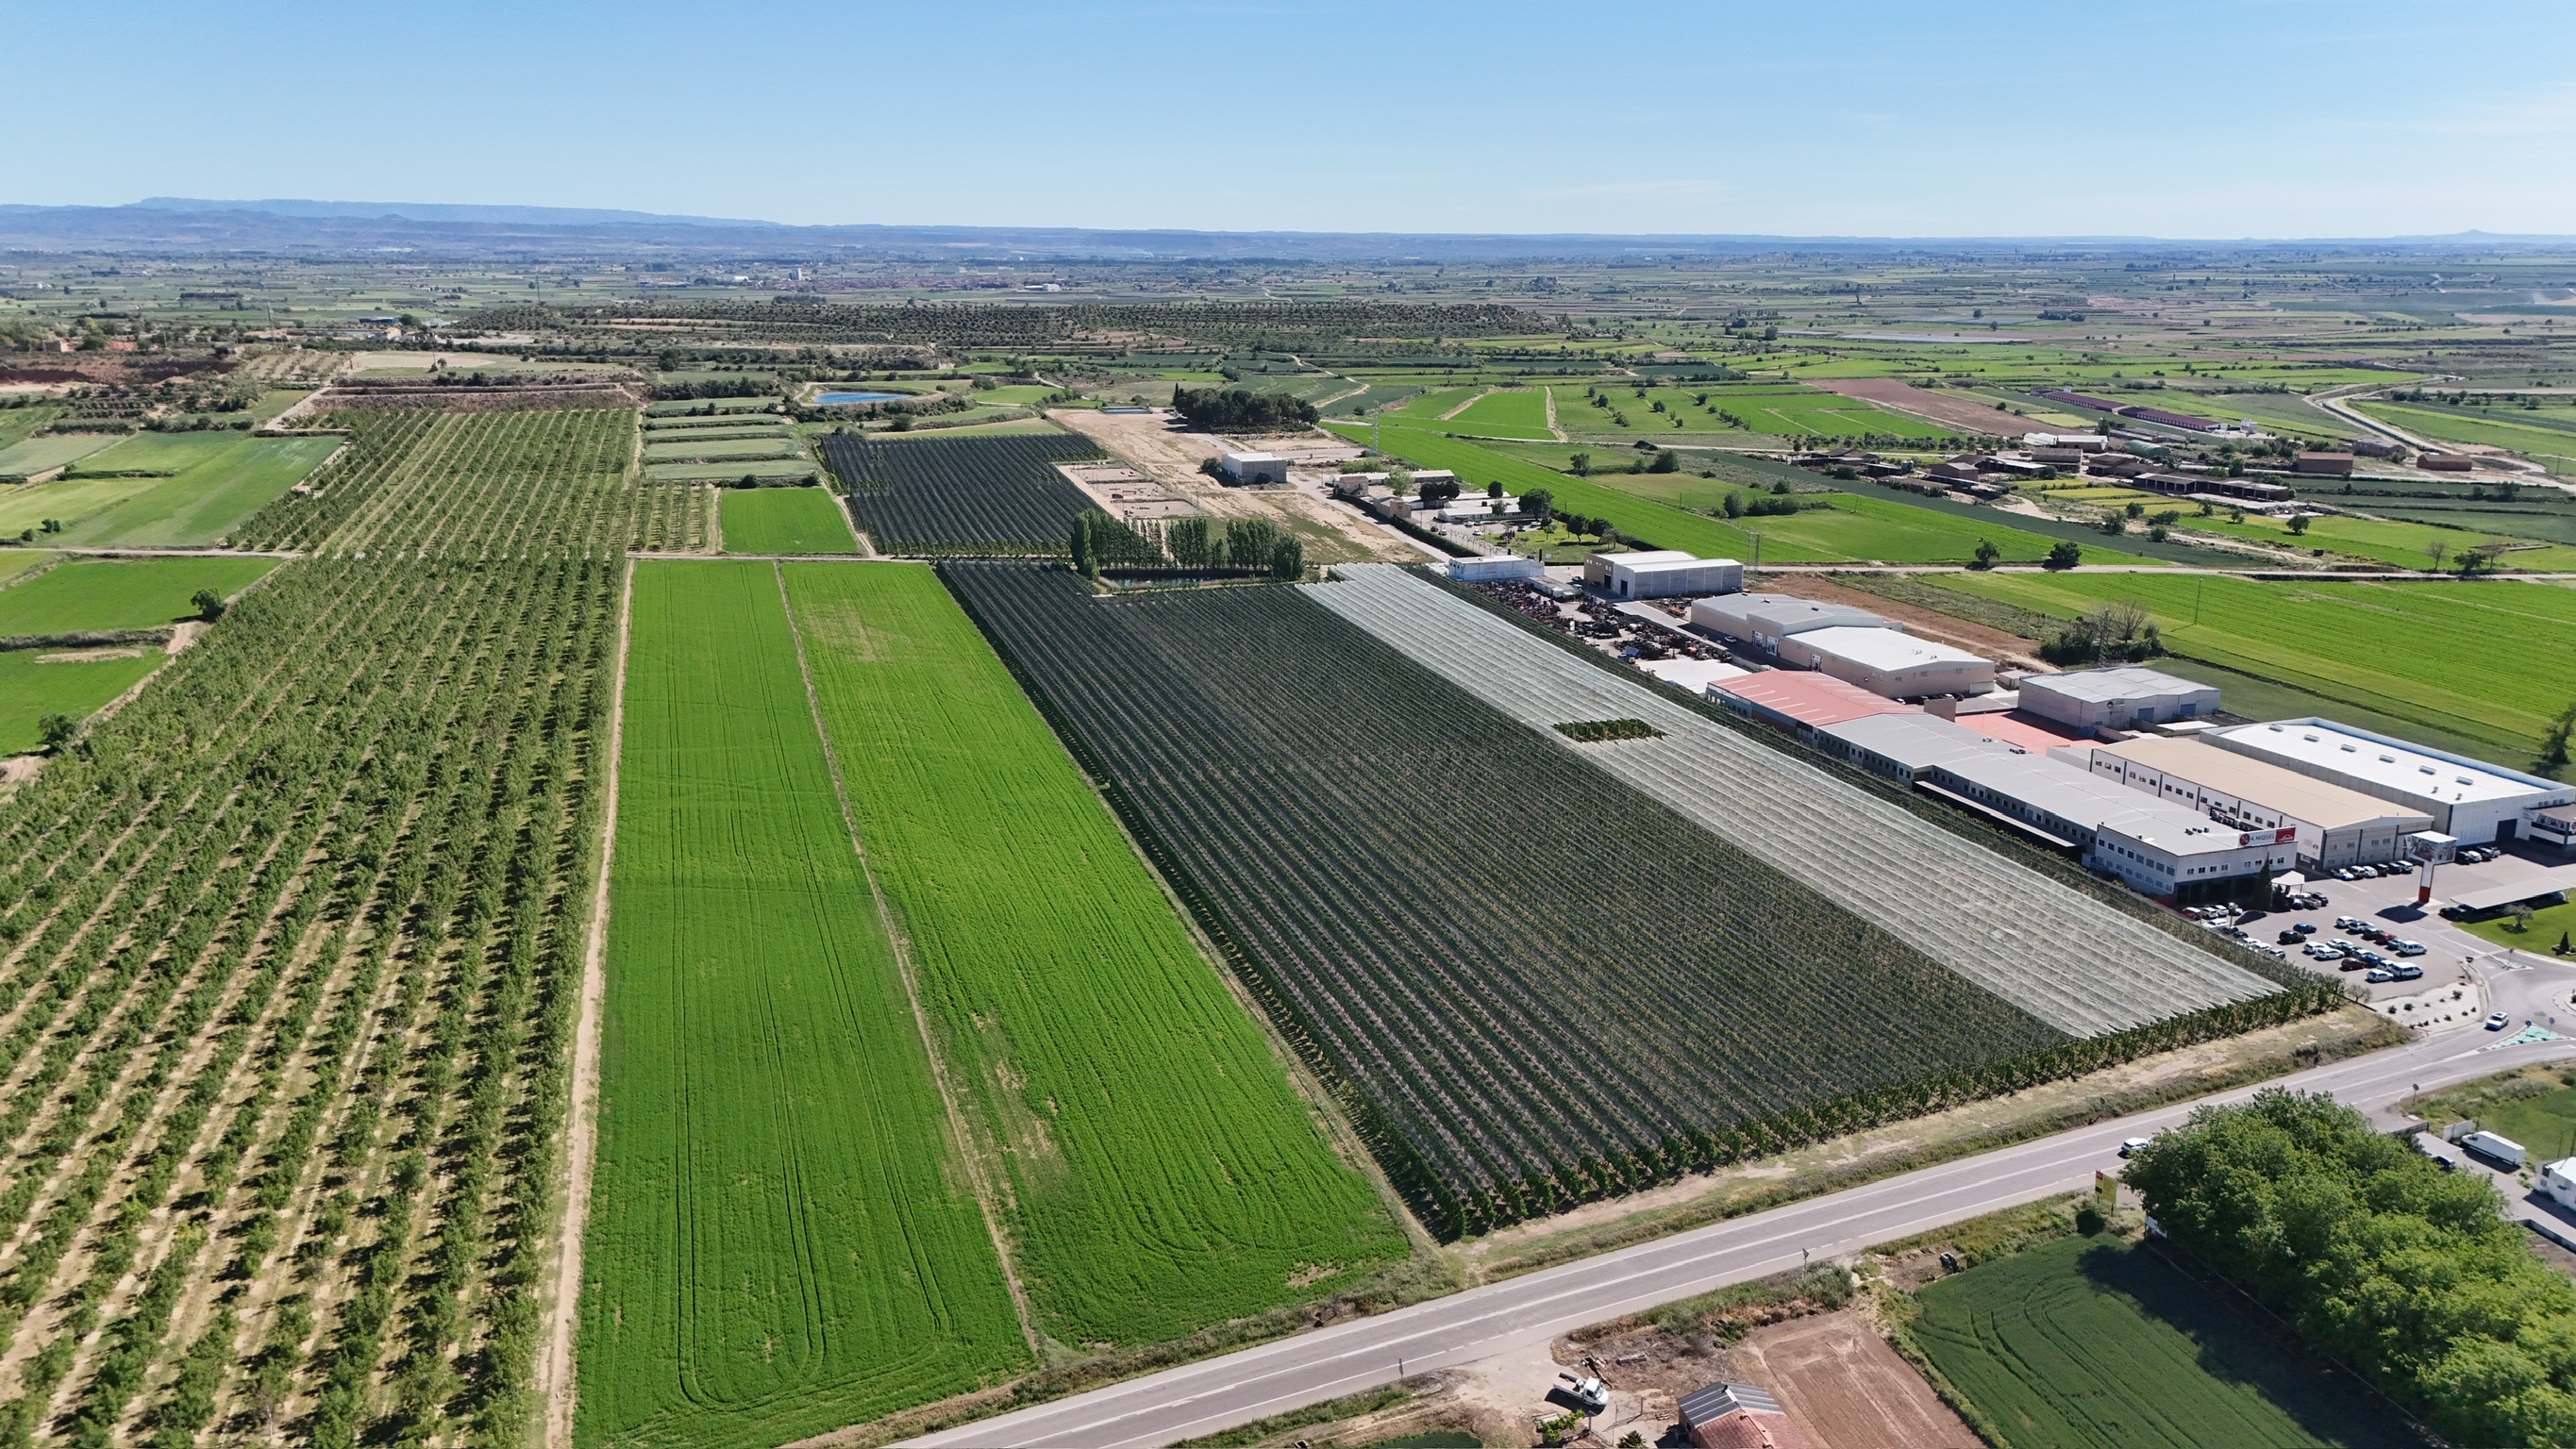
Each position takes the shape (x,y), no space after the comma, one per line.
(1661,508)
(697,449)
(785,520)
(2383,540)
(1514,413)
(17,422)
(54,450)
(728,472)
(32,687)
(783,1240)
(200,503)
(2553,447)
(1163,1175)
(133,593)
(16,561)
(161,452)
(2088,1343)
(2489,660)
(1429,407)
(1785,410)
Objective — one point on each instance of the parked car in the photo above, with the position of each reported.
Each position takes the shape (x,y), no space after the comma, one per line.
(2402,867)
(2407,973)
(2409,948)
(2377,974)
(2290,937)
(2305,928)
(2349,923)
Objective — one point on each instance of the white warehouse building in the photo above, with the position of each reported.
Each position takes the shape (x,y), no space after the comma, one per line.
(2335,827)
(1250,468)
(2469,799)
(1884,661)
(2090,699)
(1662,573)
(1763,620)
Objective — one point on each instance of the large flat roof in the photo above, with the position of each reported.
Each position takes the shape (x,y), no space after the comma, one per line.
(1808,697)
(1915,740)
(1884,648)
(2114,686)
(2389,764)
(1635,564)
(2321,803)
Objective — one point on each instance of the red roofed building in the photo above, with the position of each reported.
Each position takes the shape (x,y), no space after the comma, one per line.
(1800,700)
(1739,1416)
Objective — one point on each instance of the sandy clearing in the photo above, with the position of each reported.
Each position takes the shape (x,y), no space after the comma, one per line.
(1846,1387)
(1151,446)
(1949,412)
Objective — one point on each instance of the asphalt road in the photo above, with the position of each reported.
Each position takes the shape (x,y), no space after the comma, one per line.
(1218,1393)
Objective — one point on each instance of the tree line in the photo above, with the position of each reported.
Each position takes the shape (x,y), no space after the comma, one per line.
(1099,541)
(1238,410)
(2412,1276)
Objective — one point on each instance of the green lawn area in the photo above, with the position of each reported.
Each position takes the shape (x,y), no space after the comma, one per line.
(2547,924)
(213,490)
(784,520)
(53,450)
(1519,412)
(1014,394)
(32,688)
(96,594)
(1432,405)
(16,561)
(2091,1343)
(2392,647)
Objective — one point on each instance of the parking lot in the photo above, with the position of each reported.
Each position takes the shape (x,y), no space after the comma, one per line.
(2465,976)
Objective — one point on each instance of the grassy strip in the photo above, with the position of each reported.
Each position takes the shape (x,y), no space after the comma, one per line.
(1326,1412)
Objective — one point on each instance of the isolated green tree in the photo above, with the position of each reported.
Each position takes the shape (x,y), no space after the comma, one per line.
(2066,553)
(1987,554)
(2298,523)
(210,605)
(57,731)
(1538,503)
(2553,745)
(1580,465)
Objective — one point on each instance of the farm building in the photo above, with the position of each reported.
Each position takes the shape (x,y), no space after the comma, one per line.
(2470,799)
(2073,442)
(1251,468)
(2194,484)
(1763,620)
(2110,698)
(1738,1416)
(1889,662)
(1495,566)
(2335,827)
(1661,574)
(2337,465)
(1695,675)
(2447,462)
(2188,422)
(1799,702)
(2372,447)
(2076,399)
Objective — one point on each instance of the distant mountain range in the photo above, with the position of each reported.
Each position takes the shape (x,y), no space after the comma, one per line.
(171,225)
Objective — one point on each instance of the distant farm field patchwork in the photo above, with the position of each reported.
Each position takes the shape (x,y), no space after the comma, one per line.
(783,1240)
(137,593)
(785,520)
(53,450)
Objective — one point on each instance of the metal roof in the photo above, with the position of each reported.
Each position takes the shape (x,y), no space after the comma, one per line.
(2554,880)
(1785,613)
(1915,741)
(2114,686)
(1885,649)
(2320,803)
(1703,1404)
(2406,770)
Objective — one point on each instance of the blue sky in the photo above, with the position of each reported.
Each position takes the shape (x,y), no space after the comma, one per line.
(1824,117)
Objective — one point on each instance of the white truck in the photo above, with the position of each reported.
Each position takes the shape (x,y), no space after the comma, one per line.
(2491,1147)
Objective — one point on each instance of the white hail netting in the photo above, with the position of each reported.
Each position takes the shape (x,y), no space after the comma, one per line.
(2073,962)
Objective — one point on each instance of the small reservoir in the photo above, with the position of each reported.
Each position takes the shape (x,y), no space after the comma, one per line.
(827,399)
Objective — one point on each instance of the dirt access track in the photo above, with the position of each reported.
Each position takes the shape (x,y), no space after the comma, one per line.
(1949,412)
(1152,446)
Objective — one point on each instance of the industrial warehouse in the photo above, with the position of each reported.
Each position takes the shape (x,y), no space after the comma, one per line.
(2133,771)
